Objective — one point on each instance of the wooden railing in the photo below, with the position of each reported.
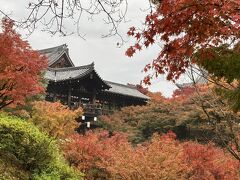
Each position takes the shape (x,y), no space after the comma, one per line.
(94,109)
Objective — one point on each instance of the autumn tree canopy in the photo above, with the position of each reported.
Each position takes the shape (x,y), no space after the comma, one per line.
(101,156)
(184,28)
(20,67)
(54,118)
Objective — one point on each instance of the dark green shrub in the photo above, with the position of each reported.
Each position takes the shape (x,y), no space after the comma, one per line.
(34,151)
(11,169)
(59,170)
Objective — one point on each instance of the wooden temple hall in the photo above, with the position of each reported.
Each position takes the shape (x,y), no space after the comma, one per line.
(82,86)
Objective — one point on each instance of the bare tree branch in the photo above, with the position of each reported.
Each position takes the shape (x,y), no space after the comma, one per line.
(52,13)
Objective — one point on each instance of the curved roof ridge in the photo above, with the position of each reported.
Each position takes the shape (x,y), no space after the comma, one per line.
(63,46)
(123,85)
(107,85)
(72,68)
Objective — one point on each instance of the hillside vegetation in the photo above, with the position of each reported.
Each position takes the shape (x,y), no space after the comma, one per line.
(27,153)
(180,115)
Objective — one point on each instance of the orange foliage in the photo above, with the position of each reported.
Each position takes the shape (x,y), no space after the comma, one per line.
(99,155)
(185,91)
(20,67)
(189,92)
(54,118)
(183,27)
(209,162)
(156,97)
(89,153)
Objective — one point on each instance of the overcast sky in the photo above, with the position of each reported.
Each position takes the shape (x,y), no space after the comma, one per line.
(110,60)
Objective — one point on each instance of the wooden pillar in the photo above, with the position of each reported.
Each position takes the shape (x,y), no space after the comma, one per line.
(113,103)
(79,101)
(93,99)
(123,102)
(54,92)
(69,95)
(54,97)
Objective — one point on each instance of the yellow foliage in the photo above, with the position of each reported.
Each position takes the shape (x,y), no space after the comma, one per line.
(54,118)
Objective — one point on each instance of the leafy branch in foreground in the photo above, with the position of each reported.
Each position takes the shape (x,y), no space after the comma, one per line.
(183,28)
(20,68)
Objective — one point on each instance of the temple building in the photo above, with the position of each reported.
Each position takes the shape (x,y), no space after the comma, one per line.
(83,86)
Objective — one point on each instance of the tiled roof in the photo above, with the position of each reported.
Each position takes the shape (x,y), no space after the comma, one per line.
(53,54)
(62,74)
(126,90)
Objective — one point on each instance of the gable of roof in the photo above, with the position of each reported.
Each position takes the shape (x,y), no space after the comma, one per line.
(126,90)
(55,53)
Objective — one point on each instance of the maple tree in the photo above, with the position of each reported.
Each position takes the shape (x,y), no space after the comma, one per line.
(54,118)
(100,155)
(89,152)
(20,67)
(184,28)
(218,105)
(222,65)
(185,91)
(222,120)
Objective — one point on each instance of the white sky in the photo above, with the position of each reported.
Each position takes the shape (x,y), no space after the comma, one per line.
(110,60)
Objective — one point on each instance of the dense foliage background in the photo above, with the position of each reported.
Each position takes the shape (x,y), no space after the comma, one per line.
(193,135)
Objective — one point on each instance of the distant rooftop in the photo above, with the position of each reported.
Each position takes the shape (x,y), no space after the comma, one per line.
(53,54)
(127,90)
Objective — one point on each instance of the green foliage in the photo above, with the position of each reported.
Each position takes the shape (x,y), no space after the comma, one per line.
(183,116)
(222,62)
(140,122)
(34,151)
(10,168)
(59,170)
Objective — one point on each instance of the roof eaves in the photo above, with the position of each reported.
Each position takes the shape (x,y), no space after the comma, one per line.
(48,50)
(90,68)
(84,74)
(67,54)
(104,82)
(71,68)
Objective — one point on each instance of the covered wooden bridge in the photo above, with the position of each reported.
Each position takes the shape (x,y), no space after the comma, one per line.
(82,86)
